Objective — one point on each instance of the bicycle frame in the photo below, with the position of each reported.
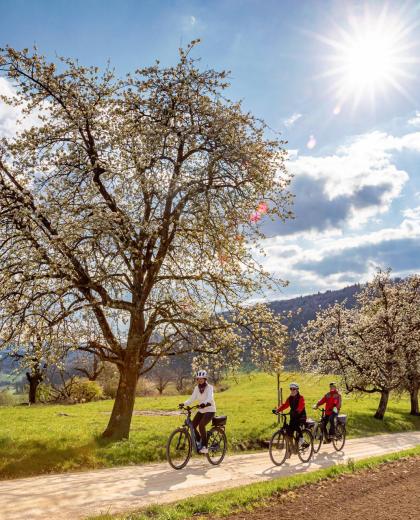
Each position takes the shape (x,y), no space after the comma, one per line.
(188,424)
(283,425)
(322,424)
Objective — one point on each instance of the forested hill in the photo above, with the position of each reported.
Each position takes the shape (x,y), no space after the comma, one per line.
(309,306)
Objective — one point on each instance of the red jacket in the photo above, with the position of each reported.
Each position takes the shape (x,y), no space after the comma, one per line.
(296,404)
(333,398)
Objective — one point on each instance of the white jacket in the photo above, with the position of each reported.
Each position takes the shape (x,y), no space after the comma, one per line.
(205,397)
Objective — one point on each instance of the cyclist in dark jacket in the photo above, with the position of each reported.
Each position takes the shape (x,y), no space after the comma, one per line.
(296,403)
(332,401)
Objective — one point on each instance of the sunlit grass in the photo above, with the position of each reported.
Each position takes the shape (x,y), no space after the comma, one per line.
(44,439)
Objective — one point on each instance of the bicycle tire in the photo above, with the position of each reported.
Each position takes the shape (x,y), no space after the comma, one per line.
(317,435)
(278,448)
(212,442)
(339,438)
(309,437)
(183,436)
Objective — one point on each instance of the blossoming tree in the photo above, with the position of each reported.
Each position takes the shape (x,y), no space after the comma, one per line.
(374,347)
(117,206)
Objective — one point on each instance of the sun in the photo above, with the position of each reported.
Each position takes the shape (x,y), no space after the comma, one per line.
(372,56)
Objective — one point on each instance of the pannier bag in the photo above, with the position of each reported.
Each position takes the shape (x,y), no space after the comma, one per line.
(219,421)
(342,419)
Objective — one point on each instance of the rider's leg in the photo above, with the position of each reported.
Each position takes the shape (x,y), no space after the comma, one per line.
(324,424)
(332,423)
(205,419)
(196,422)
(294,426)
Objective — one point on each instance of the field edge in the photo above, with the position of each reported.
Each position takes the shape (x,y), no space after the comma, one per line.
(245,498)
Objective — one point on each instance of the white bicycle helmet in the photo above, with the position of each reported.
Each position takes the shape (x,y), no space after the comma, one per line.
(294,386)
(201,373)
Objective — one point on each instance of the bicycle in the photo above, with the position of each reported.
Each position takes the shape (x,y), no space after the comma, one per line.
(282,445)
(320,432)
(182,440)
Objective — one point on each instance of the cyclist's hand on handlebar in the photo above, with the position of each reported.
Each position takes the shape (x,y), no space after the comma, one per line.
(274,410)
(315,407)
(181,405)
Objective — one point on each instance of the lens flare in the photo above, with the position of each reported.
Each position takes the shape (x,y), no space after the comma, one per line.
(373,55)
(311,142)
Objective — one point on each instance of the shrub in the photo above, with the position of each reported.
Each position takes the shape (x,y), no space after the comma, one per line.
(110,389)
(108,379)
(45,393)
(82,390)
(7,398)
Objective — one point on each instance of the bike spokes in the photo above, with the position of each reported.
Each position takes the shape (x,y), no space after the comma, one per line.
(278,448)
(317,438)
(178,449)
(217,445)
(305,446)
(339,438)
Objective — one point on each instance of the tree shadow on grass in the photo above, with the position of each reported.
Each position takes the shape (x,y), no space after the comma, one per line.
(4,442)
(363,424)
(30,458)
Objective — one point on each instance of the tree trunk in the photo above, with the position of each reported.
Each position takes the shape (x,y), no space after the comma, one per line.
(414,399)
(119,424)
(380,412)
(34,380)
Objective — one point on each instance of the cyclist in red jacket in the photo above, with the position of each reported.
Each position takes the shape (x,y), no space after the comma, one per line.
(332,401)
(296,403)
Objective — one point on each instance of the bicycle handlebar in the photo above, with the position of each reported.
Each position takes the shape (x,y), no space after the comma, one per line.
(189,408)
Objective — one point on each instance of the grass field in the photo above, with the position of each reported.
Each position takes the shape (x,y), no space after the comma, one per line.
(45,439)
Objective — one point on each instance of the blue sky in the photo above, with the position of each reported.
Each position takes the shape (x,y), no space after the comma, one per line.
(355,155)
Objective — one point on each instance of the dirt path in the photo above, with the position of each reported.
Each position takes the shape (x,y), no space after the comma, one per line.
(72,496)
(390,492)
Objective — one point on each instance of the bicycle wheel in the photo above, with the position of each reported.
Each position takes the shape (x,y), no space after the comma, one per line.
(339,438)
(317,438)
(278,448)
(306,448)
(178,448)
(217,445)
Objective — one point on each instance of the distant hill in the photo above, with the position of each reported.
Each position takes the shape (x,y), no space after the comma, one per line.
(309,306)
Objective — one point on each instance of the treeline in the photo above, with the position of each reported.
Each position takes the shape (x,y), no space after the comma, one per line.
(375,345)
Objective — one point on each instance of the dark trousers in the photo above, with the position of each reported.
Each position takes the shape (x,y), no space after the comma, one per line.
(330,419)
(295,426)
(200,421)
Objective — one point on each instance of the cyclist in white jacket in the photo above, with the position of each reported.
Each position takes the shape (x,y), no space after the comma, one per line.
(203,393)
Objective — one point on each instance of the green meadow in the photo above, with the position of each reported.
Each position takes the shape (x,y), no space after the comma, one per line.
(56,438)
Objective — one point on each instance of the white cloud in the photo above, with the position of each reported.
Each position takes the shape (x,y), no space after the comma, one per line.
(365,162)
(415,121)
(285,259)
(290,121)
(11,118)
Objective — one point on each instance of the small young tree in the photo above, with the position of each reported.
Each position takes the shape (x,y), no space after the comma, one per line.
(161,376)
(87,364)
(33,345)
(132,203)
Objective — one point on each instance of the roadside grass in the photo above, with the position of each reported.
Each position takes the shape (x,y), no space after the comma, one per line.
(247,498)
(56,438)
